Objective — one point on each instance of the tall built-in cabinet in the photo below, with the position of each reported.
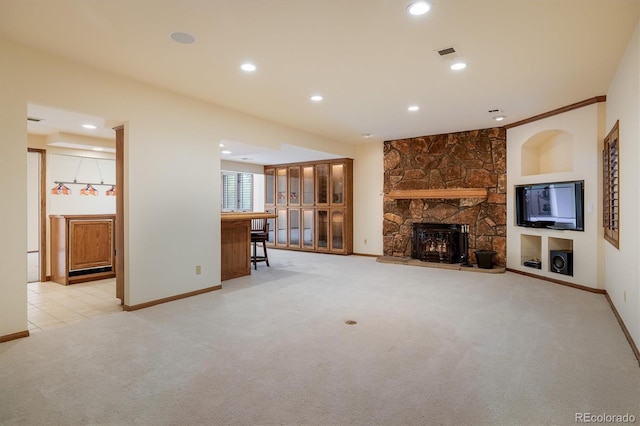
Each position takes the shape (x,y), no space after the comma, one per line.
(313,204)
(562,147)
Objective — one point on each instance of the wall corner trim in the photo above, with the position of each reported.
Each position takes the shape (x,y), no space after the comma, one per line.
(170,298)
(553,280)
(14,336)
(633,345)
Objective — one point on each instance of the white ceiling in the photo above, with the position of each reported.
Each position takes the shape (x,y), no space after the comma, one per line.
(369,58)
(45,120)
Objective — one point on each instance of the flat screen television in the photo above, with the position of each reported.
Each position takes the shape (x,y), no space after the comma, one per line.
(555,205)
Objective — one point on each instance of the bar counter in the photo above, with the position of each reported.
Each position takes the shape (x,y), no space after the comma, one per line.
(235,242)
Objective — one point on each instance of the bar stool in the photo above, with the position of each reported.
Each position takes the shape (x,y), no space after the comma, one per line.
(259,234)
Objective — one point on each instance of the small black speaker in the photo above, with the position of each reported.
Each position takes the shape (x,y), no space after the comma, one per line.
(561,261)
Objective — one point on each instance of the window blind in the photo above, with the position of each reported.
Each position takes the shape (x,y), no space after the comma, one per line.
(237,191)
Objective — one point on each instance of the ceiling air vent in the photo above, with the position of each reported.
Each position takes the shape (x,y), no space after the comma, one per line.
(446,51)
(36,120)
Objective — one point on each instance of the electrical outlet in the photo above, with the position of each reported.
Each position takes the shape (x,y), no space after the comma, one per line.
(198,269)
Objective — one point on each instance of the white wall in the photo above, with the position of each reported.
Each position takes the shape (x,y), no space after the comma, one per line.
(616,270)
(622,266)
(172,173)
(368,176)
(67,168)
(583,125)
(13,214)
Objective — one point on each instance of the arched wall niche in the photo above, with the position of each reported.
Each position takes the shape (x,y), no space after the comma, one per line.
(549,151)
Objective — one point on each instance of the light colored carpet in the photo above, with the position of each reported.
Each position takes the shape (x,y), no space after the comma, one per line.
(430,347)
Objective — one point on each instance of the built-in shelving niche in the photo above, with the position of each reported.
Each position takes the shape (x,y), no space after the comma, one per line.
(560,243)
(550,151)
(530,248)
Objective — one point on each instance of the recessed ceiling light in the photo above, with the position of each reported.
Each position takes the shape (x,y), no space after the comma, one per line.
(316,98)
(221,145)
(413,108)
(458,65)
(226,151)
(419,8)
(89,126)
(499,117)
(182,37)
(366,135)
(248,67)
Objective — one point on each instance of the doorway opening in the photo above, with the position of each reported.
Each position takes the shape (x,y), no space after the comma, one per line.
(78,152)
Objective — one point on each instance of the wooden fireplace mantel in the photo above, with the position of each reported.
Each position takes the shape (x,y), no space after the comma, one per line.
(450,193)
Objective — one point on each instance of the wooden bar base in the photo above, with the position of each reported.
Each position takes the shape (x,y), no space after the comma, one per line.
(235,243)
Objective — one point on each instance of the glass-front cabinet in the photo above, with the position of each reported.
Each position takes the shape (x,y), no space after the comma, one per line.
(294,186)
(308,178)
(337,230)
(294,228)
(323,229)
(281,186)
(337,183)
(281,228)
(313,202)
(269,187)
(308,227)
(322,184)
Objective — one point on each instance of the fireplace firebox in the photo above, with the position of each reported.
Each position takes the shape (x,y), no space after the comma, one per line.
(440,242)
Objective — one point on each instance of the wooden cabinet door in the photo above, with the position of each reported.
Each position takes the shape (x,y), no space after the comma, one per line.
(337,184)
(281,228)
(322,230)
(269,187)
(90,244)
(294,228)
(322,184)
(281,186)
(308,185)
(308,229)
(294,186)
(337,231)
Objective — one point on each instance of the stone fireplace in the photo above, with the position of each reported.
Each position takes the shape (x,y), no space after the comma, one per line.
(452,179)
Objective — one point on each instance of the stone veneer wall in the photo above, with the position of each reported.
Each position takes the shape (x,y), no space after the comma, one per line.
(473,159)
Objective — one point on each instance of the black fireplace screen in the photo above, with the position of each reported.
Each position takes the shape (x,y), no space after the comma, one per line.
(439,242)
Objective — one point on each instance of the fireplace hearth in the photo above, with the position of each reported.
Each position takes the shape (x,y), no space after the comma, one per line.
(439,242)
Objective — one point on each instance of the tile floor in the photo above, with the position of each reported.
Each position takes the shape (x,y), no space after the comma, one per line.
(53,305)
